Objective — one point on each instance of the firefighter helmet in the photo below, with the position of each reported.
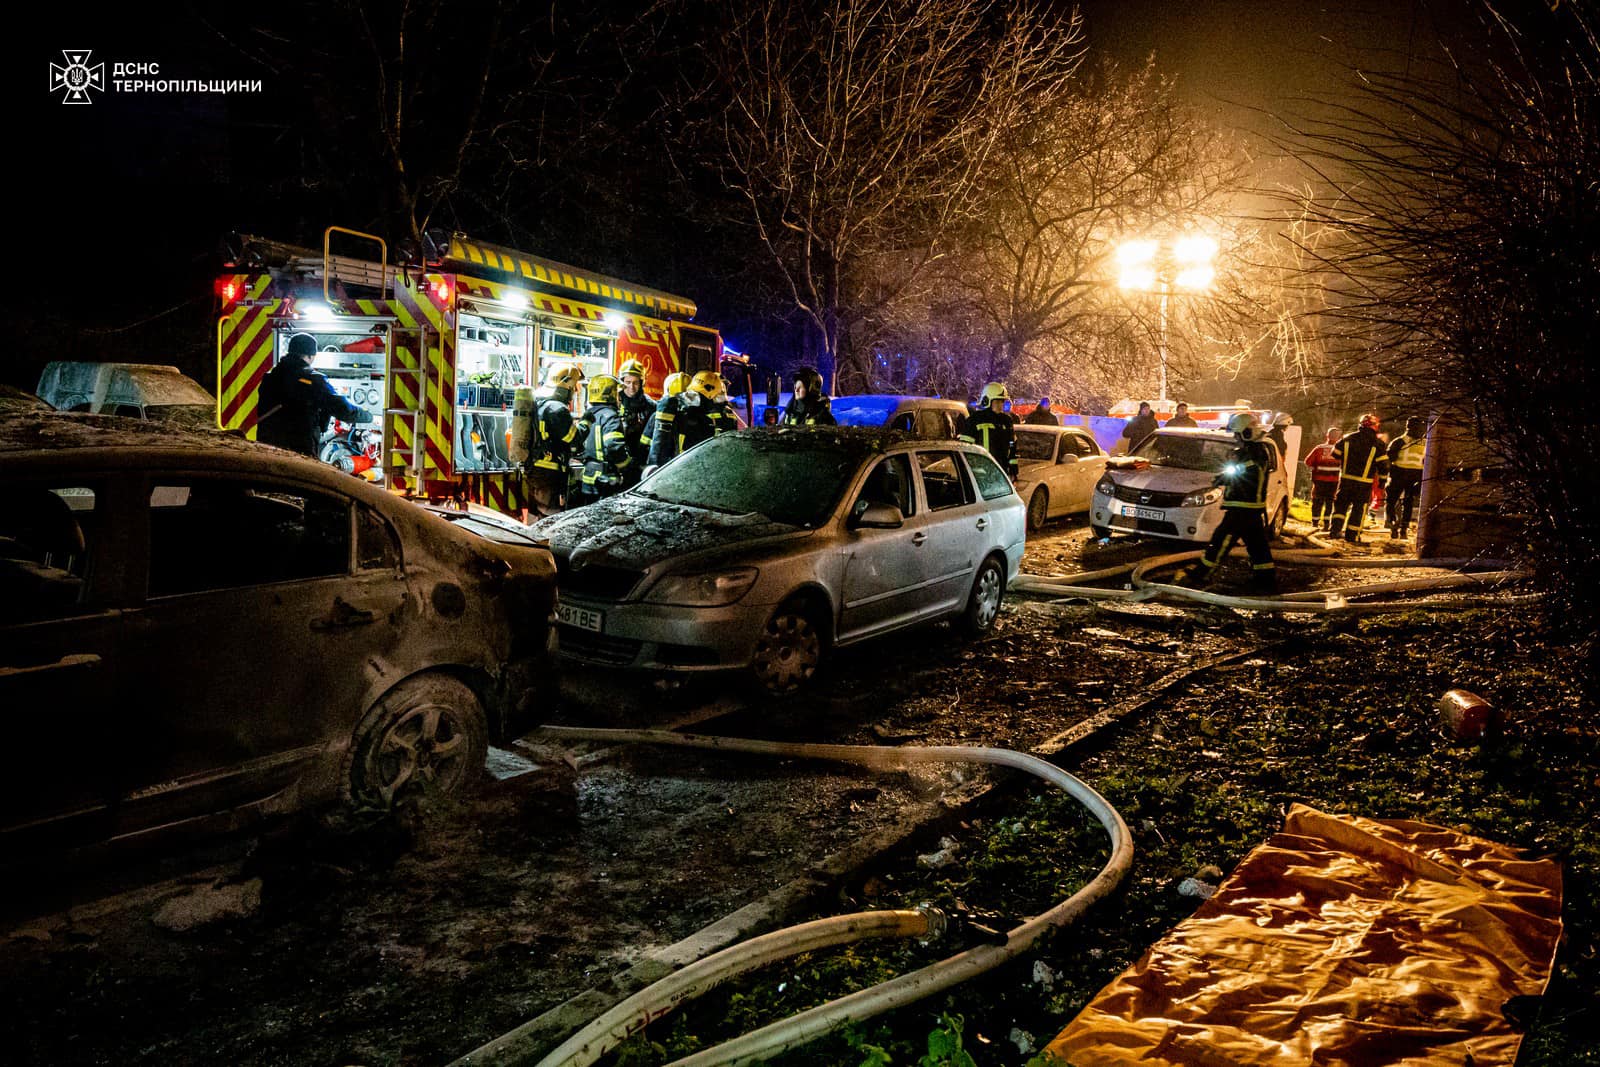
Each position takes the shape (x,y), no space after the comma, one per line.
(1283,418)
(602,389)
(674,384)
(1246,427)
(562,376)
(995,391)
(630,366)
(1370,421)
(708,383)
(301,345)
(808,377)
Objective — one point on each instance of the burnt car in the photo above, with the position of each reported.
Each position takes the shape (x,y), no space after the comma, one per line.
(196,630)
(763,549)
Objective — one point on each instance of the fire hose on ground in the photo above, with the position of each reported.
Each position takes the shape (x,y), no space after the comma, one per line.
(614,1026)
(1320,601)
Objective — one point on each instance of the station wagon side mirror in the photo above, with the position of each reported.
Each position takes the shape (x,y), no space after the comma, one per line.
(879,517)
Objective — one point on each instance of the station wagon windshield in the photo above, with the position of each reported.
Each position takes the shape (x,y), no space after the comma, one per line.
(1185,452)
(797,486)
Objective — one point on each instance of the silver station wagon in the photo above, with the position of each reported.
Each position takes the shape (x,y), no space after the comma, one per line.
(763,549)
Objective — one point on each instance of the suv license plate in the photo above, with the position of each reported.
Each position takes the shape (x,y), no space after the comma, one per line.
(582,618)
(1143,513)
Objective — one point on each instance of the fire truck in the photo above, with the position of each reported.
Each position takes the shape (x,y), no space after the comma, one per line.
(433,344)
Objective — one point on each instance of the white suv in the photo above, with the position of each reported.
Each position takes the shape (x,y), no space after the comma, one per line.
(1164,488)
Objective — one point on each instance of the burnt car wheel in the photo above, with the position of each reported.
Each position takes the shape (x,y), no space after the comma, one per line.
(789,650)
(983,604)
(427,737)
(1038,508)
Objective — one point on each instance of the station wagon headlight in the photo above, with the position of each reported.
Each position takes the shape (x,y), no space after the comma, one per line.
(1201,497)
(712,589)
(1105,486)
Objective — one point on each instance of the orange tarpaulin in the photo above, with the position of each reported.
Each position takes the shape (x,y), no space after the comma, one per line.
(1341,940)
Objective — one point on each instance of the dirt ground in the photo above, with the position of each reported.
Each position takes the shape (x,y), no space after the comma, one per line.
(414,940)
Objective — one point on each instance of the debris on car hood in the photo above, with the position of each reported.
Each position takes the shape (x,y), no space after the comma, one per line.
(634,531)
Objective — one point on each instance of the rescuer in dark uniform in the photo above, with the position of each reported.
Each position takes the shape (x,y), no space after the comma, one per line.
(296,402)
(665,417)
(1405,476)
(1244,510)
(1042,415)
(695,414)
(635,407)
(1361,460)
(546,471)
(993,428)
(606,457)
(809,406)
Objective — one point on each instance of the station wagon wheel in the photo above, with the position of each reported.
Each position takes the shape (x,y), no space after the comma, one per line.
(983,605)
(427,737)
(788,651)
(1038,508)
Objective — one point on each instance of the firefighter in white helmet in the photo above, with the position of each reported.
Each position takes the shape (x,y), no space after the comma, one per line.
(1244,509)
(993,427)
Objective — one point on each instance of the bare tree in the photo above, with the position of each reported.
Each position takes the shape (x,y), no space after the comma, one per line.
(1464,267)
(860,129)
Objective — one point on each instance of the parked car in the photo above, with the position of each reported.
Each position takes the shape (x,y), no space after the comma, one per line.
(195,631)
(1057,469)
(761,550)
(1164,487)
(132,390)
(923,416)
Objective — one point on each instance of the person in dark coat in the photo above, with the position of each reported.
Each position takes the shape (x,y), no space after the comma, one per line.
(1042,415)
(993,427)
(606,456)
(296,402)
(1136,429)
(809,406)
(636,408)
(1181,418)
(1361,462)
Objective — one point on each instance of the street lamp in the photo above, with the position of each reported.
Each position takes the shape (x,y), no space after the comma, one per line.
(1146,266)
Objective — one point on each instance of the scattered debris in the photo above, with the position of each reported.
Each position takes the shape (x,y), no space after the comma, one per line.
(945,855)
(1044,976)
(209,904)
(1023,1040)
(1468,716)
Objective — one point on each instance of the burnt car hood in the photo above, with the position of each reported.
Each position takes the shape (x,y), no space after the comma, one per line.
(636,533)
(1163,479)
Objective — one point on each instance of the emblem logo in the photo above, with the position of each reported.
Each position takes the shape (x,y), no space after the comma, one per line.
(77,77)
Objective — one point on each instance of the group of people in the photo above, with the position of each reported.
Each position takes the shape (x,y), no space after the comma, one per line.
(624,432)
(1346,471)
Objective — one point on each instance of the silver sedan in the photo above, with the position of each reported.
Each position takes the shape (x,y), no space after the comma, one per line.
(764,549)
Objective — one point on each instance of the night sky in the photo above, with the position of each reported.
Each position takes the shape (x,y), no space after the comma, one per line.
(122,202)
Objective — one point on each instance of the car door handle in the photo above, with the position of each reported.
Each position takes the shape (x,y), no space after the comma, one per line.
(343,617)
(983,524)
(918,537)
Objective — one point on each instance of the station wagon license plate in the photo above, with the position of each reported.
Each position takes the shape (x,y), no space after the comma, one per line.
(1143,513)
(582,618)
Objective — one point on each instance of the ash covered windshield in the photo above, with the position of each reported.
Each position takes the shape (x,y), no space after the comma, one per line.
(1035,445)
(794,478)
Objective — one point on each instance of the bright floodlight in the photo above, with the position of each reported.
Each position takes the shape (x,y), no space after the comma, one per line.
(1194,250)
(615,321)
(318,313)
(1137,262)
(515,299)
(1195,277)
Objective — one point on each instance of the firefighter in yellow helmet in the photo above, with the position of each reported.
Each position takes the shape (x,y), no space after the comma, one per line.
(694,415)
(1244,509)
(665,417)
(606,459)
(635,407)
(993,427)
(554,433)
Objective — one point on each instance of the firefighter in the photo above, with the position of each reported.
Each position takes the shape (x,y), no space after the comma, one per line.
(1405,476)
(1361,462)
(296,401)
(1244,509)
(1324,467)
(606,456)
(993,428)
(810,406)
(693,415)
(635,407)
(664,418)
(554,431)
(1280,421)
